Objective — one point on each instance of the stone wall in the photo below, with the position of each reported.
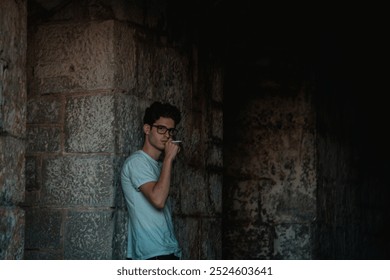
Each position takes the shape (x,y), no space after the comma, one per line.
(13,45)
(93,69)
(269,156)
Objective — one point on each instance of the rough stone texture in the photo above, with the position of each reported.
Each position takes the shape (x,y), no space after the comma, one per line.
(89,235)
(215,186)
(89,124)
(247,200)
(191,186)
(271,174)
(293,241)
(120,215)
(43,139)
(82,181)
(44,229)
(164,72)
(253,242)
(125,57)
(32,181)
(75,61)
(11,233)
(13,45)
(12,166)
(214,156)
(73,57)
(202,236)
(129,114)
(210,239)
(43,255)
(12,122)
(44,110)
(120,234)
(187,229)
(197,179)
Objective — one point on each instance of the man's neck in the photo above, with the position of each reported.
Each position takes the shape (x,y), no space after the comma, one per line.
(151,151)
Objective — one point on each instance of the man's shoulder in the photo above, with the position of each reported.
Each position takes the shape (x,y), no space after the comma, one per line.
(135,161)
(138,153)
(135,156)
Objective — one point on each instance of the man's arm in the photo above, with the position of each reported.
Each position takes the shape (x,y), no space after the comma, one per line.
(157,192)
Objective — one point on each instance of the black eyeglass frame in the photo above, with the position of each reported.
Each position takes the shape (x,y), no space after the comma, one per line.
(162,129)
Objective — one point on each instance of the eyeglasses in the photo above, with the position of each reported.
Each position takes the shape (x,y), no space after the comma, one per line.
(161,129)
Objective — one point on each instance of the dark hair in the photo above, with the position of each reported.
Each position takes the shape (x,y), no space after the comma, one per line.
(165,110)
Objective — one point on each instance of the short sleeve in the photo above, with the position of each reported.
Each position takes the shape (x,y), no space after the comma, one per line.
(140,172)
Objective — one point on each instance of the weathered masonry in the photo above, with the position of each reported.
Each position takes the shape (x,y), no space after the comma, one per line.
(283,157)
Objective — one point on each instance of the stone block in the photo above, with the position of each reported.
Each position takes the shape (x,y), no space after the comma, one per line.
(74,57)
(190,192)
(211,239)
(244,201)
(287,204)
(94,56)
(44,110)
(120,234)
(249,242)
(83,180)
(199,237)
(216,123)
(129,113)
(187,234)
(32,181)
(89,235)
(12,168)
(43,228)
(12,221)
(293,241)
(13,45)
(214,158)
(32,198)
(43,255)
(125,63)
(215,183)
(120,202)
(193,152)
(163,73)
(43,139)
(90,124)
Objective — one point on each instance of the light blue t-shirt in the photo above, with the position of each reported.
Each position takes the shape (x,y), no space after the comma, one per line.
(150,230)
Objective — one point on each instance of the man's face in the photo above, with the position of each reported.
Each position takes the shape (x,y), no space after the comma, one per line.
(160,132)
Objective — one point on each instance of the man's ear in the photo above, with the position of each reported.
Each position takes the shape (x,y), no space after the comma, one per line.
(146,128)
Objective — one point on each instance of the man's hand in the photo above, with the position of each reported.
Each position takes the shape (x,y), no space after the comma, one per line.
(171,150)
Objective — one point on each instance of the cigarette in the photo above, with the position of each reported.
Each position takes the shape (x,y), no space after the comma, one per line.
(176,141)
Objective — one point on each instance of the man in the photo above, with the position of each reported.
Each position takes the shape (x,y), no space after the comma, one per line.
(146,182)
